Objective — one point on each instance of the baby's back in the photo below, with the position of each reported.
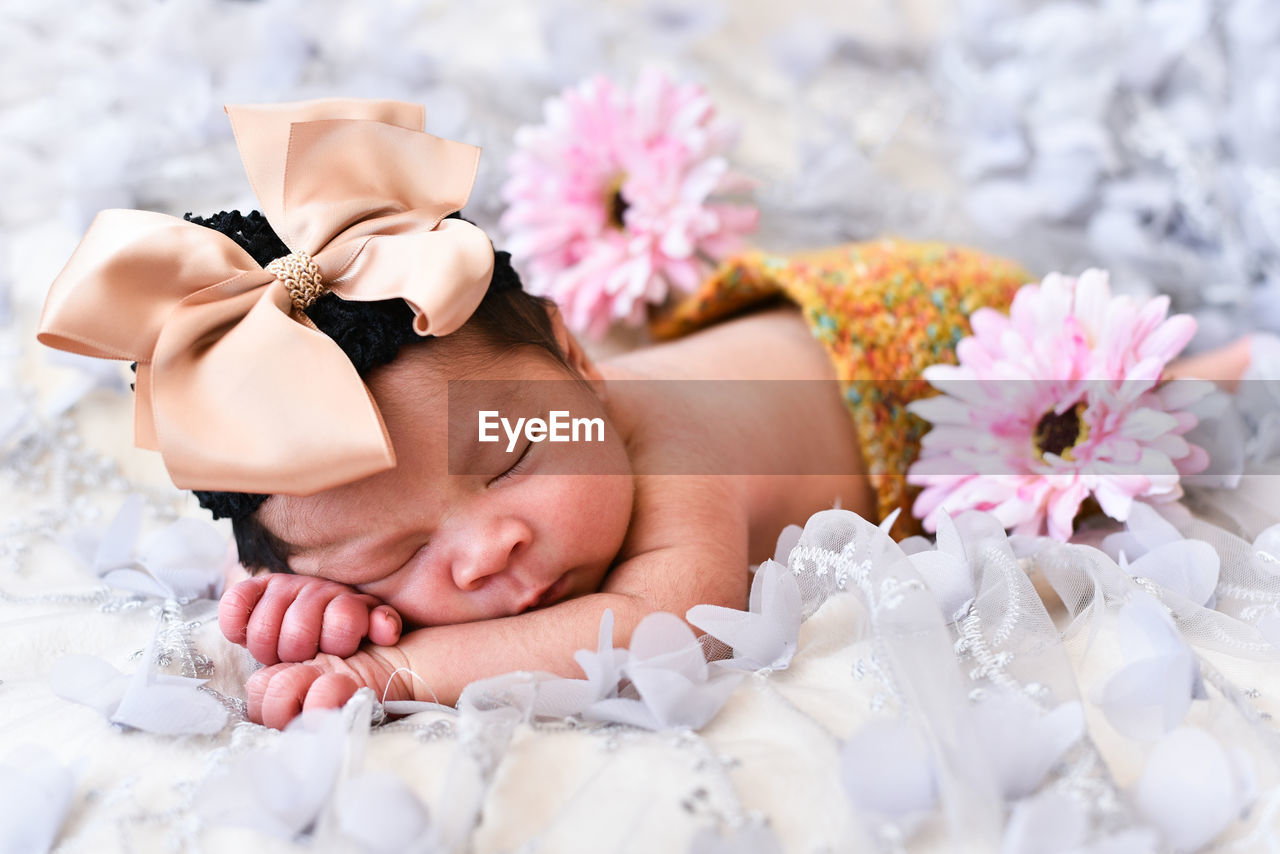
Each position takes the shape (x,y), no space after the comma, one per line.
(756,399)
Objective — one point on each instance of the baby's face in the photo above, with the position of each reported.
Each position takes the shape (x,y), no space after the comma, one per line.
(495,534)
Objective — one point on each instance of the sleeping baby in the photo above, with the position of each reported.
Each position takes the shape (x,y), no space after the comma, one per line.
(357,380)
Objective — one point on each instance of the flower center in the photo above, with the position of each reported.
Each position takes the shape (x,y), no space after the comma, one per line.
(1058,434)
(615,202)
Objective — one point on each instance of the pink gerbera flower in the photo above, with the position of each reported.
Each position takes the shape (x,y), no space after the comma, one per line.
(1055,403)
(613,200)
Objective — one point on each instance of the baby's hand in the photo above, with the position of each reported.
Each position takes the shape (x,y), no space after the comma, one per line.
(282,617)
(279,693)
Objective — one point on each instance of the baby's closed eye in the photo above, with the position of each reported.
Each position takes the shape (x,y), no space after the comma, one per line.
(517,466)
(382,576)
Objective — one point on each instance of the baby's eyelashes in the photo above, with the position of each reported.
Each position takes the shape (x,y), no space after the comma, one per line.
(516,467)
(371,582)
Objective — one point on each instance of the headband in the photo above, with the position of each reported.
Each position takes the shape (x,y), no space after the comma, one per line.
(358,193)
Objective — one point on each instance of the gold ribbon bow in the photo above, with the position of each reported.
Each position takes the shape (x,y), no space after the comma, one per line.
(236,388)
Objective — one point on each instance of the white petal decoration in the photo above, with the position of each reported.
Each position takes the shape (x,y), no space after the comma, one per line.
(1189,790)
(558,698)
(115,550)
(947,570)
(1269,625)
(281,791)
(1048,823)
(149,701)
(1187,567)
(89,681)
(1136,841)
(1149,697)
(886,524)
(950,580)
(136,581)
(887,770)
(1151,693)
(667,670)
(382,815)
(786,542)
(187,558)
(1266,551)
(35,795)
(603,667)
(183,561)
(748,839)
(169,705)
(1145,529)
(767,634)
(1021,742)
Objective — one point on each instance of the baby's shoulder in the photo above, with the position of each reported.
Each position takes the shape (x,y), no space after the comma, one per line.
(685,511)
(770,344)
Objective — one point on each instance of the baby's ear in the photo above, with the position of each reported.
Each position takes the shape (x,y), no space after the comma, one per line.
(573,351)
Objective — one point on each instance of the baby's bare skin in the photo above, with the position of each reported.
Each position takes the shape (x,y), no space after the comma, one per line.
(787,427)
(490,598)
(685,539)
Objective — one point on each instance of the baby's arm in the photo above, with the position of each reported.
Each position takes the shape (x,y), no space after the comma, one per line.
(1225,365)
(692,550)
(282,617)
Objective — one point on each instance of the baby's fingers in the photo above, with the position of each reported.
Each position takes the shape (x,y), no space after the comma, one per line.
(280,693)
(384,626)
(301,626)
(346,623)
(235,607)
(276,694)
(266,622)
(330,691)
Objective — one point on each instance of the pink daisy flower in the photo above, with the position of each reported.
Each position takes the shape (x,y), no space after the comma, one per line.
(616,199)
(1055,403)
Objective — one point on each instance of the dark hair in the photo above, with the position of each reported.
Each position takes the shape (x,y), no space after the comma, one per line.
(371,334)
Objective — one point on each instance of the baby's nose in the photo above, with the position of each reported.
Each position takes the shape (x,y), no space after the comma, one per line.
(487,551)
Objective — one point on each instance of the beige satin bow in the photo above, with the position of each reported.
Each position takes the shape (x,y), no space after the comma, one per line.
(235,387)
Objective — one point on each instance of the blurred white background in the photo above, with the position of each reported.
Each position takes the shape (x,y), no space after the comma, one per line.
(1140,135)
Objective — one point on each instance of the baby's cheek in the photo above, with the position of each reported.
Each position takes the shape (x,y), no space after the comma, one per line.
(417,603)
(600,513)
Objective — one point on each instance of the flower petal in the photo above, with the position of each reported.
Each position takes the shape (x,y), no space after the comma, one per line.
(887,770)
(1188,789)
